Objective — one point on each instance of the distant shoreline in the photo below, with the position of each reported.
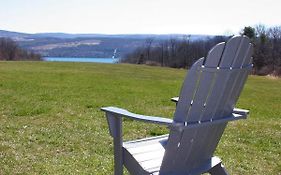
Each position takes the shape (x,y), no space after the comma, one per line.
(81,59)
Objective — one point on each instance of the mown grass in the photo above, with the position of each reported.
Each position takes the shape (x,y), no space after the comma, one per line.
(51,123)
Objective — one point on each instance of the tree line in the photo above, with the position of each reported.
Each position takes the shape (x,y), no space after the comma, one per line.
(267,49)
(10,51)
(182,53)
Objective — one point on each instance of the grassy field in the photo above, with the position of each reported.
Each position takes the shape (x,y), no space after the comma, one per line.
(51,123)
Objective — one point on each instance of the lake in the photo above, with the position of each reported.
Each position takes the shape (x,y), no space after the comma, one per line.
(76,59)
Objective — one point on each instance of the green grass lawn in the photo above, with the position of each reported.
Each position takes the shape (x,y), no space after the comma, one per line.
(51,123)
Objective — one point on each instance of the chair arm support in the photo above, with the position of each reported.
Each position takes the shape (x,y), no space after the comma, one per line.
(115,130)
(119,112)
(183,126)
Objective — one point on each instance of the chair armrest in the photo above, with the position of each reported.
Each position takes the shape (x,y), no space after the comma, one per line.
(175,99)
(119,112)
(241,111)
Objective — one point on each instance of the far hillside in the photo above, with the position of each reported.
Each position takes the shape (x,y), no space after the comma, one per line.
(86,45)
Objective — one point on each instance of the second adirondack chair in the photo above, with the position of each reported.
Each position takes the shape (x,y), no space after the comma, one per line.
(205,105)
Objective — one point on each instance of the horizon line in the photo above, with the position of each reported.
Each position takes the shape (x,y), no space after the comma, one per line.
(70,33)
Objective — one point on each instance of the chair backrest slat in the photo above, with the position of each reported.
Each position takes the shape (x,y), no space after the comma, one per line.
(190,85)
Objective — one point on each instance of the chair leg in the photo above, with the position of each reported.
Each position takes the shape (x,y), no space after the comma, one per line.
(115,127)
(118,157)
(218,170)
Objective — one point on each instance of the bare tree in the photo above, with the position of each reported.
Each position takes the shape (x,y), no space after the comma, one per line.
(9,50)
(182,52)
(148,44)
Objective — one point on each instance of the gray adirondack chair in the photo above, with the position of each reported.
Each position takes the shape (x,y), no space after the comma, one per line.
(204,107)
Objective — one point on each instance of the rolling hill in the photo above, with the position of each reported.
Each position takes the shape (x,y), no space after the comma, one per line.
(86,45)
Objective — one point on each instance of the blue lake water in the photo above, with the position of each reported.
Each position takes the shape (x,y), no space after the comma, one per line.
(76,59)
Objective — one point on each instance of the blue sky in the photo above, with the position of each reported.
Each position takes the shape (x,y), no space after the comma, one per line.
(137,16)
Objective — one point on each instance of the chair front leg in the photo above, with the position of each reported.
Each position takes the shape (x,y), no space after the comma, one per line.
(115,128)
(219,169)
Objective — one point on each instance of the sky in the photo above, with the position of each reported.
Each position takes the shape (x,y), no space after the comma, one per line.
(214,17)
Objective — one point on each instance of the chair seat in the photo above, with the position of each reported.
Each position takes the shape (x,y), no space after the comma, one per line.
(145,155)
